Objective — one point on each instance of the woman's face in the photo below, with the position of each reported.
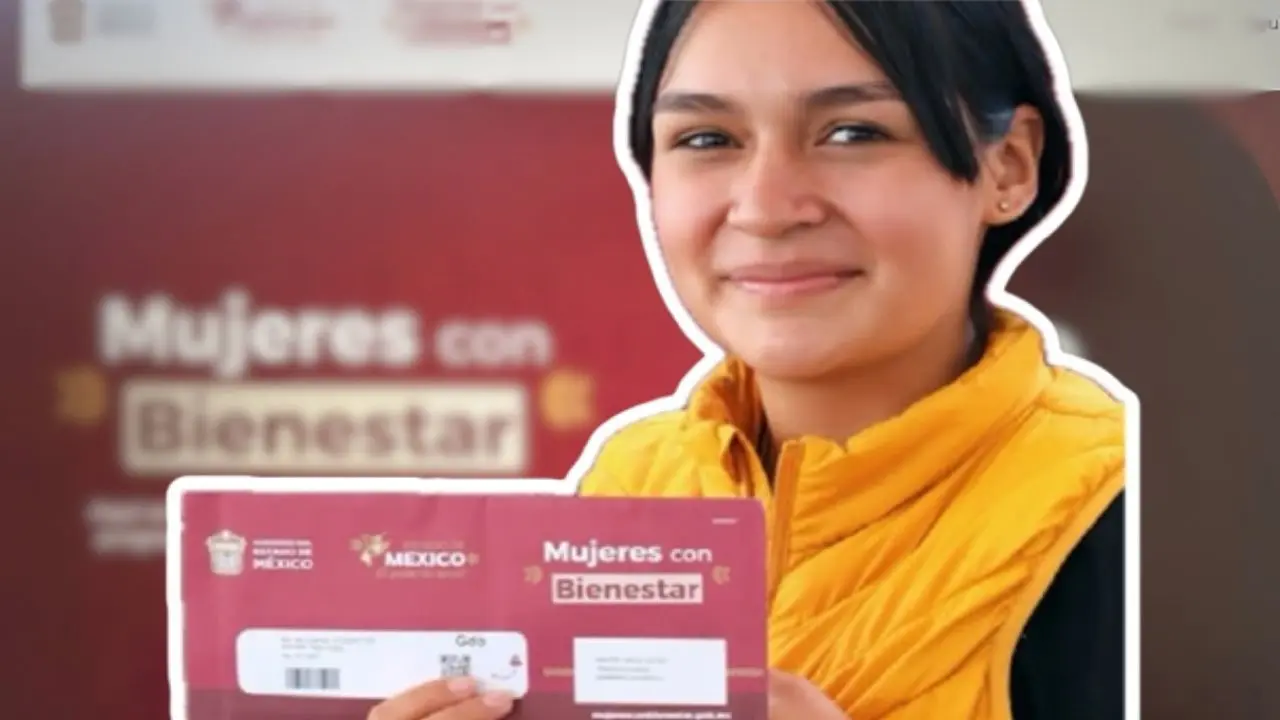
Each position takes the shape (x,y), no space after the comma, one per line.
(804,221)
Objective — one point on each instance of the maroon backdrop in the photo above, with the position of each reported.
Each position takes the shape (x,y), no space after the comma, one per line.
(452,207)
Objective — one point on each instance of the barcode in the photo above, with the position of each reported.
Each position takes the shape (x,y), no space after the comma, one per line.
(455,665)
(312,679)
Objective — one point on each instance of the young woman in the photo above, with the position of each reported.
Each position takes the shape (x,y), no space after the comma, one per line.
(832,185)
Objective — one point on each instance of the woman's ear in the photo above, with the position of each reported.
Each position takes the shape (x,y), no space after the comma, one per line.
(1012,167)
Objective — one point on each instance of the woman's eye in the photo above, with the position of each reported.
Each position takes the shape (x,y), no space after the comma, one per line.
(703,141)
(851,134)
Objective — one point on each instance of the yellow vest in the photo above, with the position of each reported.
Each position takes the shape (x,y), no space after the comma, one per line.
(903,564)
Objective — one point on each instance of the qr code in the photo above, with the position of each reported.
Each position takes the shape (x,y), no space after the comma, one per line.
(455,665)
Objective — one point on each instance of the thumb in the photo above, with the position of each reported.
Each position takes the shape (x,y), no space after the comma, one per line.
(782,680)
(792,697)
(782,690)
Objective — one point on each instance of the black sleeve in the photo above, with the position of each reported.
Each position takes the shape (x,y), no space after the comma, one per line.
(1069,663)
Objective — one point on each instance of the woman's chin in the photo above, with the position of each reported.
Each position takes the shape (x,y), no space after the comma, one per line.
(792,348)
(794,362)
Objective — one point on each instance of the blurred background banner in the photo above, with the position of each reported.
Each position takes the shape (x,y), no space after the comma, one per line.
(393,286)
(282,44)
(423,284)
(573,45)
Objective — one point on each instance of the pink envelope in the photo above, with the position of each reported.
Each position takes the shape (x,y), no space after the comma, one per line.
(318,605)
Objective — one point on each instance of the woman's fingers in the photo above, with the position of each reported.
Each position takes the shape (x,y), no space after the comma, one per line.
(489,706)
(453,699)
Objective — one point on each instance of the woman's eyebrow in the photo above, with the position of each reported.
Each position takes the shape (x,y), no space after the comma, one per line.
(827,97)
(840,95)
(681,101)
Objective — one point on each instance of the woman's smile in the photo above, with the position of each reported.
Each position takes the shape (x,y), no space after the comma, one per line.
(789,281)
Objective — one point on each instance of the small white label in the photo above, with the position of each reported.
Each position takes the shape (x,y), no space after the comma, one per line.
(375,664)
(650,671)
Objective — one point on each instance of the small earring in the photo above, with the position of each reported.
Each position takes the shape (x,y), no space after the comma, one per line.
(1003,205)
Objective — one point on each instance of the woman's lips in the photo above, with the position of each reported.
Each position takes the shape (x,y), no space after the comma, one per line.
(785,286)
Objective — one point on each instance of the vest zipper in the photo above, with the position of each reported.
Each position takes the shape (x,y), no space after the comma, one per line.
(784,491)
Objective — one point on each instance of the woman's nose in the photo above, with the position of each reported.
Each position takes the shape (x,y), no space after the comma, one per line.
(775,195)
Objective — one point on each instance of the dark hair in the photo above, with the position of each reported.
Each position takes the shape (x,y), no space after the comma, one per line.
(962,67)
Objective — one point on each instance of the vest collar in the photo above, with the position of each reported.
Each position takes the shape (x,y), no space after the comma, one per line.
(832,489)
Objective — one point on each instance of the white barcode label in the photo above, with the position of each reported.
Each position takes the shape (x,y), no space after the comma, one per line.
(375,664)
(312,678)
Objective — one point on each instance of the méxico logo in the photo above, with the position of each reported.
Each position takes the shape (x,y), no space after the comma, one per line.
(420,559)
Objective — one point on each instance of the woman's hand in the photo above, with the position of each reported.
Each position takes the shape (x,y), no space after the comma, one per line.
(454,699)
(790,698)
(793,698)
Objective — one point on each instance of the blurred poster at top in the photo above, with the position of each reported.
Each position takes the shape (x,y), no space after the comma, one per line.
(331,44)
(551,45)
